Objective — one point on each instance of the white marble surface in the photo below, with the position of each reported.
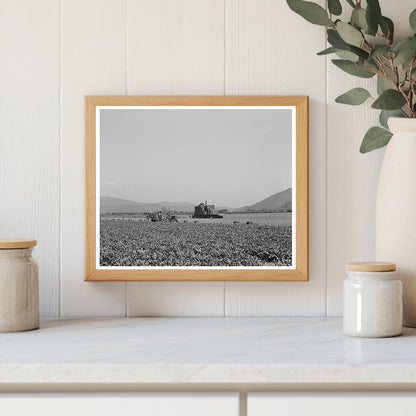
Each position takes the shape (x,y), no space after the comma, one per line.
(203,351)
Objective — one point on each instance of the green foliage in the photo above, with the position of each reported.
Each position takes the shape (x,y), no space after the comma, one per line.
(311,12)
(405,51)
(355,96)
(383,84)
(358,18)
(352,68)
(387,27)
(373,15)
(389,100)
(375,138)
(412,20)
(343,54)
(366,47)
(334,7)
(336,41)
(327,51)
(386,114)
(349,34)
(347,56)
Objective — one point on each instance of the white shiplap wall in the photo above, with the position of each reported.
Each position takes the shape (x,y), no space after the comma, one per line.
(55,51)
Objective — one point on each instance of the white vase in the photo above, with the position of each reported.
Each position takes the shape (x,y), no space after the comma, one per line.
(396,210)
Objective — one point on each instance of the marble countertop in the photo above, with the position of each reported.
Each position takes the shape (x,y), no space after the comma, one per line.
(203,351)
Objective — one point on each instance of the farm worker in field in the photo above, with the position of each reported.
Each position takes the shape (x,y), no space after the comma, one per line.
(159,216)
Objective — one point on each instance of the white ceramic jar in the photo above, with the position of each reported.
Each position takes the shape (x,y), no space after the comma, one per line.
(19,286)
(372,300)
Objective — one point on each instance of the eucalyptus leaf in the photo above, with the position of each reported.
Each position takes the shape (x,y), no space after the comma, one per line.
(350,56)
(327,51)
(386,114)
(375,138)
(352,68)
(383,84)
(373,65)
(373,15)
(356,96)
(405,50)
(334,7)
(381,50)
(387,27)
(311,12)
(358,18)
(336,41)
(389,100)
(347,55)
(349,34)
(412,20)
(359,53)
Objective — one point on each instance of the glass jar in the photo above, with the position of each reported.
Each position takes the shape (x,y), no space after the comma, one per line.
(372,300)
(19,286)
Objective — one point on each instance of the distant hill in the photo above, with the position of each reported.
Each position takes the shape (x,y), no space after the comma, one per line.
(280,202)
(118,205)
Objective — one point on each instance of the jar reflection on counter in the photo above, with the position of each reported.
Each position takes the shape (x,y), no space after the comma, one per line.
(372,301)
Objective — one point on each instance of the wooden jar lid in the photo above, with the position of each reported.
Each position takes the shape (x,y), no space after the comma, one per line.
(371,266)
(11,243)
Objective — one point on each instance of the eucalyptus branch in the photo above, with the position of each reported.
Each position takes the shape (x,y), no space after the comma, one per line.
(366,47)
(395,71)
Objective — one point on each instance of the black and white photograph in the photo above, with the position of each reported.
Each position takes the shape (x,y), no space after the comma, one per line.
(195,187)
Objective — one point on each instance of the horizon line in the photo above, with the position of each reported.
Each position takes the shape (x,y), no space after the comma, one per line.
(187,202)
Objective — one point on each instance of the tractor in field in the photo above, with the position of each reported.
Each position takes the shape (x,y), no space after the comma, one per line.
(161,216)
(203,210)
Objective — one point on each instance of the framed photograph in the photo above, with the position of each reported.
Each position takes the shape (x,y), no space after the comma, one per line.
(196,188)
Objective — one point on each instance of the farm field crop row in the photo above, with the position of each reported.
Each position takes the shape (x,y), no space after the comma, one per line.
(125,242)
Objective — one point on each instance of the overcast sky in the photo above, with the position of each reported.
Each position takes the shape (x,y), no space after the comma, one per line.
(230,158)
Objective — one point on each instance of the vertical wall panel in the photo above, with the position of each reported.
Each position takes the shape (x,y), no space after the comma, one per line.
(29,134)
(175,47)
(93,62)
(272,51)
(352,177)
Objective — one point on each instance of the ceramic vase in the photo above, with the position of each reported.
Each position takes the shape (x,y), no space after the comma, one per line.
(396,210)
(19,290)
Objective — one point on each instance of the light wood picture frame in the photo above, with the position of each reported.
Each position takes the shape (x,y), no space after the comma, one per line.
(139,149)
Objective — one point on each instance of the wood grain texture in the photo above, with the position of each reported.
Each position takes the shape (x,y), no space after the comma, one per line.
(176,47)
(301,268)
(12,243)
(93,61)
(29,135)
(352,178)
(261,59)
(370,266)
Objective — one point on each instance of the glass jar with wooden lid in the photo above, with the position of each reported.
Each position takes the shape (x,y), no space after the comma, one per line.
(372,300)
(19,286)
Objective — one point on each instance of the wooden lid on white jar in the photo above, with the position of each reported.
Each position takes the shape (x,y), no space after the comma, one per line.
(371,266)
(12,243)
